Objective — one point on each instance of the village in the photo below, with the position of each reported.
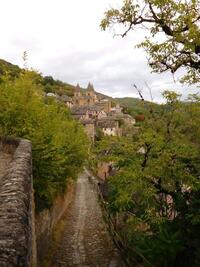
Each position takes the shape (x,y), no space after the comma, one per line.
(100,133)
(97,113)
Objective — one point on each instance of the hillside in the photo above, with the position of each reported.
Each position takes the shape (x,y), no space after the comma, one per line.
(49,83)
(133,106)
(9,69)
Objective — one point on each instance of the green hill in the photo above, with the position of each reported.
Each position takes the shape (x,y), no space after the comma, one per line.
(49,83)
(56,86)
(135,106)
(9,69)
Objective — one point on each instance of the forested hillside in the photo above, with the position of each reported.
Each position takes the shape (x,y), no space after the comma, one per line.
(48,82)
(134,106)
(7,68)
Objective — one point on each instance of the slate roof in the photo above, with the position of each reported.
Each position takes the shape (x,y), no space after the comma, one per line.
(83,97)
(79,110)
(94,108)
(77,88)
(65,98)
(89,121)
(90,87)
(107,123)
(118,116)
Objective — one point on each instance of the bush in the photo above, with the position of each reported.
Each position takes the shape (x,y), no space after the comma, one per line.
(59,143)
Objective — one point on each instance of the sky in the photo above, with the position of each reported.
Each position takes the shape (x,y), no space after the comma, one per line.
(63,39)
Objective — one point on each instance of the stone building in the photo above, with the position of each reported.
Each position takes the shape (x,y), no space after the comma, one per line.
(117,109)
(105,105)
(96,112)
(125,118)
(66,100)
(109,127)
(89,128)
(84,97)
(88,112)
(80,112)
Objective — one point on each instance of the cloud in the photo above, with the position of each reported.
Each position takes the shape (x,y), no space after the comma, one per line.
(63,39)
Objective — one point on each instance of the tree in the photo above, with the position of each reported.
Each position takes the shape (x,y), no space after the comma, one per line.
(155,191)
(177,19)
(59,144)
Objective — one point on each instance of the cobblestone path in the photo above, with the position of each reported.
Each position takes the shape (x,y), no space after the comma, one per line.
(85,241)
(5,159)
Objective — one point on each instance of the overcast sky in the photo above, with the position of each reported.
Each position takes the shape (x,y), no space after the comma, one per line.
(63,39)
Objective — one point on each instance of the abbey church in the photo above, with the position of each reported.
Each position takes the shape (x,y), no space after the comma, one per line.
(89,97)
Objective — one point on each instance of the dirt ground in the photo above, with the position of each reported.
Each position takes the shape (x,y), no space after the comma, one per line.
(85,241)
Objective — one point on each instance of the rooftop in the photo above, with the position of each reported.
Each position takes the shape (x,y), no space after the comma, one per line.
(87,97)
(107,123)
(79,110)
(90,87)
(89,121)
(65,98)
(77,88)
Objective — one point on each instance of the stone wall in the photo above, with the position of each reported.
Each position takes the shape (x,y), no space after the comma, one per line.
(103,170)
(47,220)
(90,130)
(19,227)
(17,237)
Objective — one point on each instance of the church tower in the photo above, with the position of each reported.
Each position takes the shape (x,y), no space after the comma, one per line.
(90,90)
(77,91)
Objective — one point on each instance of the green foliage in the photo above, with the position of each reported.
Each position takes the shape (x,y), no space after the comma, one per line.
(56,86)
(178,47)
(135,106)
(49,84)
(156,190)
(59,144)
(9,69)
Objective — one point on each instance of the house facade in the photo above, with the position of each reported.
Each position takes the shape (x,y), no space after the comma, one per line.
(109,127)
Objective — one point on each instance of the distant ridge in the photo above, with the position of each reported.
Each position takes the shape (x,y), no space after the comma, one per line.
(135,106)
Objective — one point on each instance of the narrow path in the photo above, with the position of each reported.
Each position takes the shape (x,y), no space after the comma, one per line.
(85,241)
(5,159)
